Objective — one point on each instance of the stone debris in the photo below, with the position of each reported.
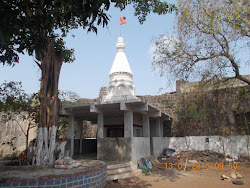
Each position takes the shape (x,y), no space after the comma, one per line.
(235,175)
(224,177)
(237,182)
(197,156)
(192,161)
(66,162)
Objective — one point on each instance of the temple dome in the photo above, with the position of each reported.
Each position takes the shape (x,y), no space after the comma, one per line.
(120,63)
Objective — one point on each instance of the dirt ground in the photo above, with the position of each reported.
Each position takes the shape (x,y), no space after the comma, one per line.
(191,178)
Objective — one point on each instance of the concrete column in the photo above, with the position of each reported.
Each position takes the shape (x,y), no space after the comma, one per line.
(158,127)
(71,130)
(145,126)
(100,125)
(128,124)
(79,134)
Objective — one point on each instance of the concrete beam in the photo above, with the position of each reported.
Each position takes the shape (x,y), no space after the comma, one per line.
(100,125)
(66,112)
(128,107)
(154,114)
(128,124)
(94,108)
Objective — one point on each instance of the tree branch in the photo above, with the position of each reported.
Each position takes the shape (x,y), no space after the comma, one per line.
(236,70)
(38,64)
(20,127)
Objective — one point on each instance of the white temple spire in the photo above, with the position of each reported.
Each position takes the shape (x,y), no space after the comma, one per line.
(120,63)
(121,77)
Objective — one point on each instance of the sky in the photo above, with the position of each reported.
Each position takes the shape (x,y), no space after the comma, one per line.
(95,55)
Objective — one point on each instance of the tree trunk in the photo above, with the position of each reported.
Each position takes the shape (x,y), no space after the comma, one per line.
(49,104)
(27,140)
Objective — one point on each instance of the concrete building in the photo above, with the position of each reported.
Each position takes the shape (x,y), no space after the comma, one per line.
(125,124)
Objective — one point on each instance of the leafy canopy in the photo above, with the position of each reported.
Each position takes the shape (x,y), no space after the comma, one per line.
(212,37)
(14,101)
(31,24)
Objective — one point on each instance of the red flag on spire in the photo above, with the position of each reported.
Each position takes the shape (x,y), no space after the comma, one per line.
(122,20)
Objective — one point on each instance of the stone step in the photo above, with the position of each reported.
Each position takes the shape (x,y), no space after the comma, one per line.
(120,170)
(120,165)
(123,175)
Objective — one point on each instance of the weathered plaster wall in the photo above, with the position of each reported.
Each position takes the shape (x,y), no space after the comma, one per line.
(112,149)
(233,146)
(140,148)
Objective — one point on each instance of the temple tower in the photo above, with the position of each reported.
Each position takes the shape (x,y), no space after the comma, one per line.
(121,85)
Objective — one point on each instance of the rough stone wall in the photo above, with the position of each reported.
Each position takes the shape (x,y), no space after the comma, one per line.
(223,104)
(89,130)
(102,93)
(12,139)
(214,112)
(184,86)
(166,102)
(86,101)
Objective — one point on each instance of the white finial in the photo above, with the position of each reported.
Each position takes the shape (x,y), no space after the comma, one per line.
(120,46)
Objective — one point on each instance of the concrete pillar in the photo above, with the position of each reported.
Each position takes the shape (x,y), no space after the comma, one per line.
(128,124)
(158,127)
(145,126)
(79,134)
(100,125)
(71,130)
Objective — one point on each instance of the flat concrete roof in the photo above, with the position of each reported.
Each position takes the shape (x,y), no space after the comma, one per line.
(89,111)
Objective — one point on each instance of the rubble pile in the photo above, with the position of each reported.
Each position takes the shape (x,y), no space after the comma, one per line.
(200,156)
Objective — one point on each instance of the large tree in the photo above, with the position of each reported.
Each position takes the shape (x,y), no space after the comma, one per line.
(39,27)
(212,41)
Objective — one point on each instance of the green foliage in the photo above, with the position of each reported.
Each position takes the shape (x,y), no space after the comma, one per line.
(31,25)
(192,112)
(68,97)
(244,92)
(14,101)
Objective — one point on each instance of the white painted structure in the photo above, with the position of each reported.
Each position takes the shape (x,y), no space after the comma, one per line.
(234,146)
(121,118)
(121,85)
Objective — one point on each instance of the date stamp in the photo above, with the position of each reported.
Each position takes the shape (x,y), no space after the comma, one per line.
(198,166)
